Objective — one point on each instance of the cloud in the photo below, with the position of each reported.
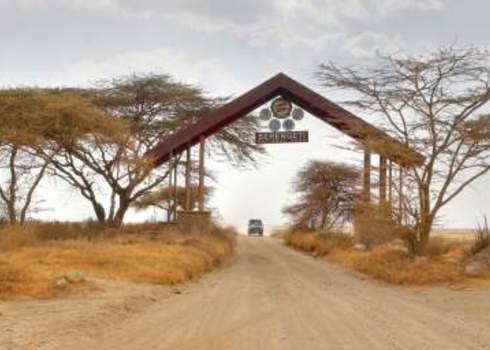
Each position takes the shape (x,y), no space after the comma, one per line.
(283,24)
(209,74)
(359,45)
(225,14)
(334,11)
(76,3)
(251,15)
(279,24)
(368,44)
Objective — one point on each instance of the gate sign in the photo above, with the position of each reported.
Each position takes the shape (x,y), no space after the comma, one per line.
(281,137)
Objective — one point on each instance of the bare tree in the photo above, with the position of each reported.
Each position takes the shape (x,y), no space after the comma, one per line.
(22,172)
(434,103)
(327,192)
(112,176)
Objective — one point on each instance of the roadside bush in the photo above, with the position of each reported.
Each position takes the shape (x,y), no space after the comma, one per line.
(280,233)
(408,235)
(395,267)
(302,241)
(318,244)
(437,247)
(441,263)
(374,223)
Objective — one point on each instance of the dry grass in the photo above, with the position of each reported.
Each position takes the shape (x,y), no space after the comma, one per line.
(442,263)
(395,267)
(317,244)
(279,233)
(481,241)
(31,263)
(454,234)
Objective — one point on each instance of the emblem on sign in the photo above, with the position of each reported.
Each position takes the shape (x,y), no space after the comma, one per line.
(288,125)
(281,108)
(275,125)
(265,114)
(281,115)
(298,114)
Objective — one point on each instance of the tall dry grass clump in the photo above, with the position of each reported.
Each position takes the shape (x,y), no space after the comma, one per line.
(318,244)
(482,238)
(442,262)
(33,258)
(393,266)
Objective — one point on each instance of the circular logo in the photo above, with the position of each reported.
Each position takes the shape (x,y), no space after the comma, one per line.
(274,125)
(298,114)
(288,125)
(281,108)
(265,114)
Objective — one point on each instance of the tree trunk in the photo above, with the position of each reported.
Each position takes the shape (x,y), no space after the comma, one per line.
(124,203)
(424,226)
(113,205)
(99,212)
(28,200)
(424,230)
(169,213)
(324,219)
(12,213)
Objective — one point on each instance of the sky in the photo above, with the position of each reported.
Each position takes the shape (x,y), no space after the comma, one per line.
(226,48)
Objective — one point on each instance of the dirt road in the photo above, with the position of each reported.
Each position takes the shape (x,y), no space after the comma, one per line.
(271,297)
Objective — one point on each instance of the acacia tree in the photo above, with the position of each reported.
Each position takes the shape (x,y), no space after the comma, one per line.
(327,192)
(112,176)
(435,104)
(31,121)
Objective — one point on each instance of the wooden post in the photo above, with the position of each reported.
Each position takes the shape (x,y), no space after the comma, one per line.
(202,145)
(400,195)
(390,182)
(382,179)
(367,176)
(170,187)
(359,215)
(174,208)
(188,179)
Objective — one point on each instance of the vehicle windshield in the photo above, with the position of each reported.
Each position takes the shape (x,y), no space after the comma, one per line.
(255,223)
